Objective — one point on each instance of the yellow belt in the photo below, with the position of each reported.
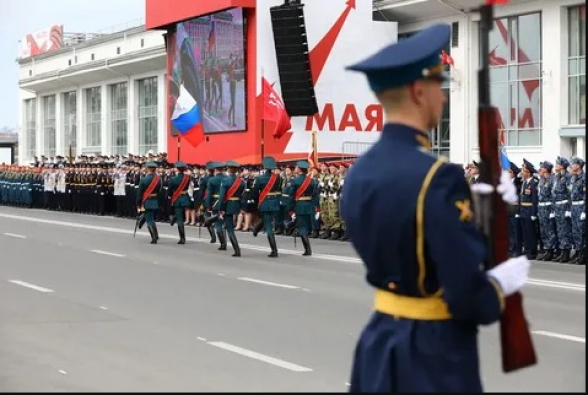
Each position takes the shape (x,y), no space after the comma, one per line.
(274,193)
(234,199)
(304,198)
(400,306)
(525,204)
(153,195)
(183,193)
(215,196)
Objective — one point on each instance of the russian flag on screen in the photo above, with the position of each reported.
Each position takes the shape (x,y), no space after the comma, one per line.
(503,158)
(186,118)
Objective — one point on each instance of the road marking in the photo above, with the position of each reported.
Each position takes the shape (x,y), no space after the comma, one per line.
(260,357)
(201,338)
(327,257)
(103,308)
(15,235)
(561,336)
(31,286)
(62,371)
(347,384)
(271,284)
(558,284)
(107,253)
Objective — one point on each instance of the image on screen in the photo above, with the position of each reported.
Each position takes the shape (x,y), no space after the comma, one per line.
(208,59)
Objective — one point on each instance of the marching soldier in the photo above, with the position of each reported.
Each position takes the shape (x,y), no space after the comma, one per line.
(204,195)
(284,200)
(266,189)
(232,188)
(213,204)
(304,203)
(147,198)
(179,199)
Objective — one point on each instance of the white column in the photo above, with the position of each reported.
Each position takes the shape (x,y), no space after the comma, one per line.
(133,117)
(554,78)
(105,118)
(23,135)
(161,114)
(80,120)
(581,147)
(39,127)
(59,131)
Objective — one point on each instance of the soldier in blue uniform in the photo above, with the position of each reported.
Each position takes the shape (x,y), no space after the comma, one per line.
(213,203)
(546,212)
(528,209)
(303,193)
(578,196)
(515,237)
(422,336)
(266,189)
(231,189)
(562,208)
(179,199)
(147,198)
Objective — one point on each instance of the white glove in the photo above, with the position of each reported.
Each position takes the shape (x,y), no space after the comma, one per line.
(517,216)
(552,215)
(568,214)
(511,274)
(507,189)
(293,217)
(317,216)
(582,216)
(533,218)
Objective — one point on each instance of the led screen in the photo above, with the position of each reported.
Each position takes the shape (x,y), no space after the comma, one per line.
(207,58)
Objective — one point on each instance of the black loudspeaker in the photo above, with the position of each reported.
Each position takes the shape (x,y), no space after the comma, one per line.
(293,59)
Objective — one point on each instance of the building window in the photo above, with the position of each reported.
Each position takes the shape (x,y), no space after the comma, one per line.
(49,135)
(93,117)
(516,77)
(577,65)
(147,115)
(70,127)
(30,106)
(118,118)
(441,135)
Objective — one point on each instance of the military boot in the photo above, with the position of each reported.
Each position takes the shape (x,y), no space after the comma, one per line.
(273,246)
(212,235)
(306,244)
(325,235)
(235,244)
(182,232)
(222,237)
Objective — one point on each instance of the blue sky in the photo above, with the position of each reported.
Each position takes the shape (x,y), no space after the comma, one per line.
(20,17)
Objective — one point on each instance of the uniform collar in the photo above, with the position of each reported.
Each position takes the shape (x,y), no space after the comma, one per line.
(407,135)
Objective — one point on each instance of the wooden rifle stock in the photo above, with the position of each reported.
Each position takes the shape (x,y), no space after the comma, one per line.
(517,345)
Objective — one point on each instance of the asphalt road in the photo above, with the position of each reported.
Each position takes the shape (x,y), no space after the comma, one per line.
(84,306)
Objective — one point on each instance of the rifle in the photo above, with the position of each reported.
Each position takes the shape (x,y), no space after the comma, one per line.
(139,222)
(516,343)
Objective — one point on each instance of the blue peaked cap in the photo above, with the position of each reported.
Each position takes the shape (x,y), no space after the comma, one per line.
(406,61)
(269,163)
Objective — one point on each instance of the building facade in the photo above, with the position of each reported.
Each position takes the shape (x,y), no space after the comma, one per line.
(102,96)
(538,74)
(107,95)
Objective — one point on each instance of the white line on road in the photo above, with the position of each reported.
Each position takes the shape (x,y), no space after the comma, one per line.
(15,235)
(558,284)
(62,371)
(271,284)
(107,253)
(201,338)
(31,286)
(327,257)
(103,308)
(561,336)
(260,357)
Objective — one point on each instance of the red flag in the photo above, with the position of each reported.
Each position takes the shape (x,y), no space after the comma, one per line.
(313,158)
(274,110)
(446,58)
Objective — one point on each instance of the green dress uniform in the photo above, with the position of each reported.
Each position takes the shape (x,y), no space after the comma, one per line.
(268,201)
(178,191)
(203,195)
(304,202)
(213,203)
(150,203)
(232,187)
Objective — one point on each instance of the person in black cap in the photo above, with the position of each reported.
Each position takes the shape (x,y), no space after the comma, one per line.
(515,233)
(232,188)
(561,196)
(147,198)
(179,199)
(267,191)
(545,212)
(578,210)
(422,336)
(528,209)
(203,191)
